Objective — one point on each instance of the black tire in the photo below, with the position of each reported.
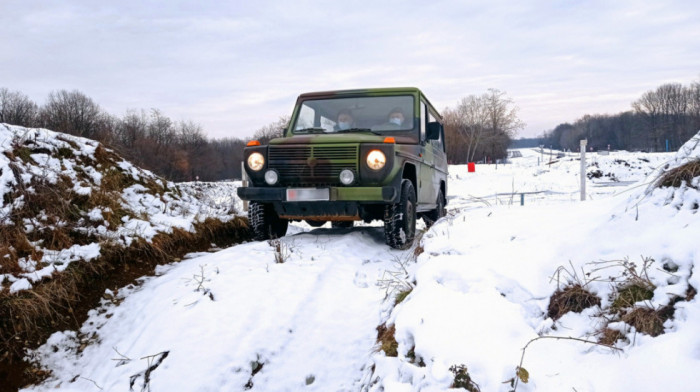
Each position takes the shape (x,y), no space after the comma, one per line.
(400,219)
(265,222)
(342,224)
(315,223)
(438,213)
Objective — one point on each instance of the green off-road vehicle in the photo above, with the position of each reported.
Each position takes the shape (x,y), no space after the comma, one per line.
(347,156)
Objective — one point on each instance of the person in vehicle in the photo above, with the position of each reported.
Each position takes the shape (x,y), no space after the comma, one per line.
(345,120)
(396,117)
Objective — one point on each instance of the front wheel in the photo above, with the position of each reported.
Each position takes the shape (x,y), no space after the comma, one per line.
(265,222)
(400,219)
(315,223)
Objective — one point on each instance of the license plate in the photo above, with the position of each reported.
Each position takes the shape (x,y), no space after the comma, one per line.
(308,194)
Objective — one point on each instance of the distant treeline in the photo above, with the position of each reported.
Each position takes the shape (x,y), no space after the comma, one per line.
(479,127)
(178,151)
(661,119)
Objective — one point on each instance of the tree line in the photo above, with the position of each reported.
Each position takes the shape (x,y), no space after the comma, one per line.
(662,119)
(178,151)
(479,128)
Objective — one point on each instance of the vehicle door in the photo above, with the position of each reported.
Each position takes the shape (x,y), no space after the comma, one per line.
(427,192)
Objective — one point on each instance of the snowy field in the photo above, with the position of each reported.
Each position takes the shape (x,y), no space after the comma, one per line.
(237,320)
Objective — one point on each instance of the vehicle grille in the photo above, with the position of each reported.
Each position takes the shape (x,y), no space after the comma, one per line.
(312,165)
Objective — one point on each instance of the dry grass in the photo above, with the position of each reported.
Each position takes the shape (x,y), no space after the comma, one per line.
(401,295)
(386,340)
(679,175)
(49,215)
(29,317)
(572,298)
(609,337)
(649,321)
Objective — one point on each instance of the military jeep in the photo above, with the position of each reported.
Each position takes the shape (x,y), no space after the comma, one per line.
(353,155)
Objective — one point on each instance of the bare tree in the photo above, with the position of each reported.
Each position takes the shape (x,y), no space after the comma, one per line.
(272,130)
(74,113)
(473,119)
(17,109)
(481,126)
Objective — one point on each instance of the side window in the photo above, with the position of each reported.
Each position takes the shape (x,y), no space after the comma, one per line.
(437,143)
(423,111)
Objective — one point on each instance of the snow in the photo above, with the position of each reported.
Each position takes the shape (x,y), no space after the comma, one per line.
(480,293)
(148,213)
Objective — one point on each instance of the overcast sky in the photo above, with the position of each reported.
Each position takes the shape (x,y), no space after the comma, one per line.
(235,66)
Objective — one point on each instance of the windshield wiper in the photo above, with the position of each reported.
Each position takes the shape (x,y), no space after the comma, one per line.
(357,130)
(311,130)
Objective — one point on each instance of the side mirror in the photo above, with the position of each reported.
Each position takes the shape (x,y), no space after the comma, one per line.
(434,130)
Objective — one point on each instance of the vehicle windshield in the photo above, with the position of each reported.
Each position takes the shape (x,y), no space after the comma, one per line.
(387,114)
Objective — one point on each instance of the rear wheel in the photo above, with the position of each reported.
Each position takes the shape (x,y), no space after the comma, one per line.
(342,224)
(265,222)
(400,219)
(438,213)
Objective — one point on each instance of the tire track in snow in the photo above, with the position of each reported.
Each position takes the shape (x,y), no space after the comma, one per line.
(332,333)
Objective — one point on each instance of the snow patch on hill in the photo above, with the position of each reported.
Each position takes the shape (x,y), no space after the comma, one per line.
(68,195)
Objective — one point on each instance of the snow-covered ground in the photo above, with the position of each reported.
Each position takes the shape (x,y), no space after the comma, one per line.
(37,162)
(236,319)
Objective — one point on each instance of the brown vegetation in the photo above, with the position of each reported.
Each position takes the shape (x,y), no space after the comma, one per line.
(386,340)
(48,214)
(572,298)
(683,174)
(29,317)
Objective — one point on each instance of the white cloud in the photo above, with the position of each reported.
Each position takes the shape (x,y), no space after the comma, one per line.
(236,66)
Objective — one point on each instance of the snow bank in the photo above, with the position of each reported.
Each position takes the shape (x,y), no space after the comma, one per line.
(106,199)
(487,273)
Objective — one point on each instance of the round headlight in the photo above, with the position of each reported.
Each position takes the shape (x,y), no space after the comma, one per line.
(256,161)
(347,177)
(271,177)
(376,159)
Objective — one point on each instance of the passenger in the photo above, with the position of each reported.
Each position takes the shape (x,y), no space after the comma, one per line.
(396,117)
(345,120)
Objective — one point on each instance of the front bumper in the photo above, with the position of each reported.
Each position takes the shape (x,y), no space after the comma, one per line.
(384,194)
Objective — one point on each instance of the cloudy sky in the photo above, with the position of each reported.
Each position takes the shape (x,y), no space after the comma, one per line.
(234,66)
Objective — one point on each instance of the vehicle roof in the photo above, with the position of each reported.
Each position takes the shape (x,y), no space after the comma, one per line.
(364,91)
(360,91)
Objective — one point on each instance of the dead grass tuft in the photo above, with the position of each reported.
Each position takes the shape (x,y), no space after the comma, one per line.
(572,298)
(402,295)
(679,175)
(610,336)
(386,340)
(647,320)
(630,294)
(690,293)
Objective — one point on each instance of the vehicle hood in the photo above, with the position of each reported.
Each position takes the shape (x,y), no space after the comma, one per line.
(330,139)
